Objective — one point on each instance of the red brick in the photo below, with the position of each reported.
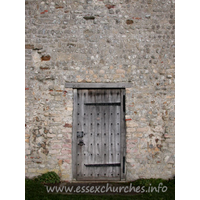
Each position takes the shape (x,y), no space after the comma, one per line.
(45,58)
(68,140)
(60,162)
(67,161)
(56,146)
(67,146)
(44,68)
(110,6)
(67,125)
(66,151)
(29,46)
(129,21)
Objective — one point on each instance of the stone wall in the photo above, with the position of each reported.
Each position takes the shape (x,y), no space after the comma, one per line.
(100,41)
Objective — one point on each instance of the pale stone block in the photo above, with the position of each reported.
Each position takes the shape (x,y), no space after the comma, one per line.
(32,170)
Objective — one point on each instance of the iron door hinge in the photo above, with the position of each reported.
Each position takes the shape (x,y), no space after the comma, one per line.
(123,164)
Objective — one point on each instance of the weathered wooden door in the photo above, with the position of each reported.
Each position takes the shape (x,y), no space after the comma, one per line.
(100,134)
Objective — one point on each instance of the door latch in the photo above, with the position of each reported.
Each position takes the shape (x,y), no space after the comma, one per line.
(81,143)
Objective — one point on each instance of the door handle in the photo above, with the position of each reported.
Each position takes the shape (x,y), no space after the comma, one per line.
(81,143)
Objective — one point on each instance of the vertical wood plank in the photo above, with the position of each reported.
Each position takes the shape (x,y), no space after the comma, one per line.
(85,135)
(116,129)
(79,129)
(93,131)
(74,139)
(97,134)
(110,152)
(113,128)
(90,133)
(100,117)
(117,133)
(106,132)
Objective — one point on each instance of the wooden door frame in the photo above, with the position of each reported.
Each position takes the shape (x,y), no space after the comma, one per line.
(120,86)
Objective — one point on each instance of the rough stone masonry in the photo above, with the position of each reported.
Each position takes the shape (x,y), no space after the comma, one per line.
(100,41)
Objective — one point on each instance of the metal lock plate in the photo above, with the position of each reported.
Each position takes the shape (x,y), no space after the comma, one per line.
(79,134)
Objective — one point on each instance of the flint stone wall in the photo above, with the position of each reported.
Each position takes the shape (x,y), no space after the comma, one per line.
(100,41)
